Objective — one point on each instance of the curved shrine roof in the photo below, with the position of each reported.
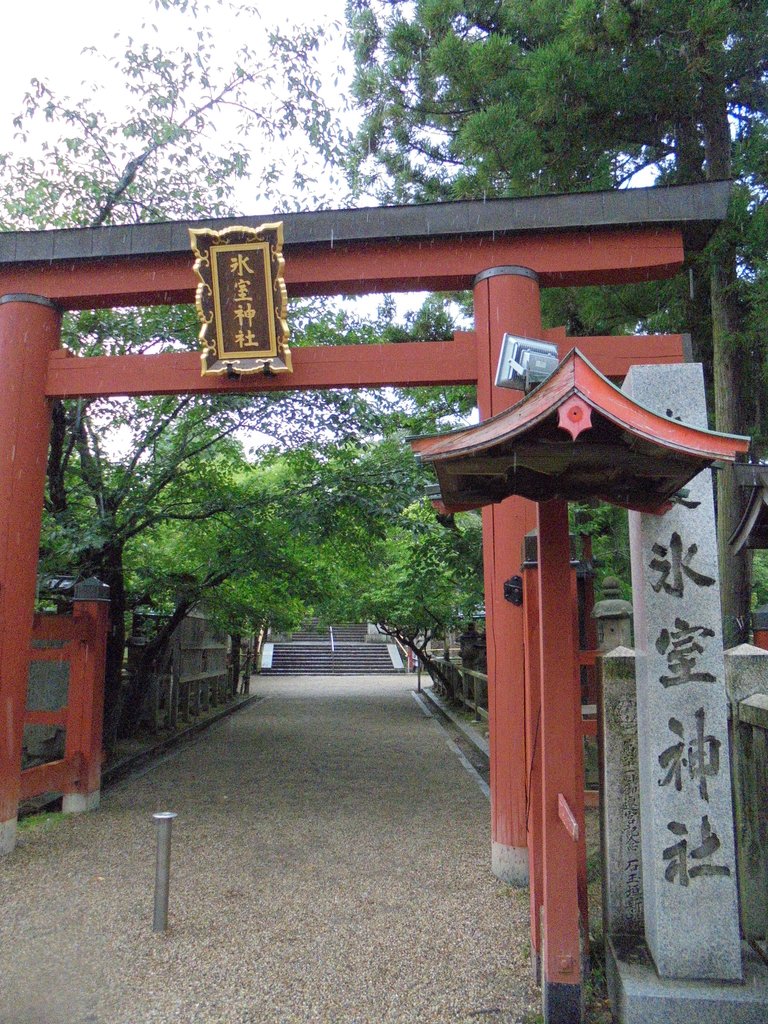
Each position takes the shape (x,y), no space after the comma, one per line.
(577,437)
(752,530)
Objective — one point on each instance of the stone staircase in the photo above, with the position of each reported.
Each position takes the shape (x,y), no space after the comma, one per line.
(309,652)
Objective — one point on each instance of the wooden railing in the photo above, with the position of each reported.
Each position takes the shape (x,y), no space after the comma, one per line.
(470,689)
(191,676)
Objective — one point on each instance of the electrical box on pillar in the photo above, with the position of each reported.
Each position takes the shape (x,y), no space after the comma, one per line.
(524,363)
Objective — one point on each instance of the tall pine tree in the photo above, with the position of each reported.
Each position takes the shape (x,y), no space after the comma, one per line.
(475,98)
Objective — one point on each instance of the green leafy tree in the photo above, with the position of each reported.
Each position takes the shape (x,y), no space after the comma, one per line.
(154,496)
(156,162)
(163,159)
(117,469)
(371,546)
(428,581)
(234,549)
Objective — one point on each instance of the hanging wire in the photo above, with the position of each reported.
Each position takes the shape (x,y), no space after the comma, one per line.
(530,769)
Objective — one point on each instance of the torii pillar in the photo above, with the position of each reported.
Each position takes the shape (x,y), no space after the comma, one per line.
(506,300)
(29,331)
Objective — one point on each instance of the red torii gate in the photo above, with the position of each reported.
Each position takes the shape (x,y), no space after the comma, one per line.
(505,250)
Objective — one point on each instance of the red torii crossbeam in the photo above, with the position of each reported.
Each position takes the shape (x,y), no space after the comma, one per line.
(505,250)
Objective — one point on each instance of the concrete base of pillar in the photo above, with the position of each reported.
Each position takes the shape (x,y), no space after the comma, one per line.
(510,863)
(8,835)
(535,967)
(77,803)
(562,1004)
(639,996)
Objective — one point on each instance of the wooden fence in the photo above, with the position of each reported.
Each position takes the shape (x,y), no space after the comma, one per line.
(470,688)
(65,701)
(191,675)
(749,760)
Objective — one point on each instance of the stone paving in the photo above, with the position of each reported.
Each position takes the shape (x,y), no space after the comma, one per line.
(330,864)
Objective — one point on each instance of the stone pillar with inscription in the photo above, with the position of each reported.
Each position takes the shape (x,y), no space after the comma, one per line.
(688,859)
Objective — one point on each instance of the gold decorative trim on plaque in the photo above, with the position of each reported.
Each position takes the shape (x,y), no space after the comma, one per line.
(241,299)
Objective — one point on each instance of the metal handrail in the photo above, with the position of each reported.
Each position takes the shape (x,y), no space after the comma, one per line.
(333,645)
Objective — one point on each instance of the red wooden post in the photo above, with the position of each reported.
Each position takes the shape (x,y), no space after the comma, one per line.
(533,743)
(559,725)
(533,753)
(29,331)
(577,805)
(506,300)
(86,696)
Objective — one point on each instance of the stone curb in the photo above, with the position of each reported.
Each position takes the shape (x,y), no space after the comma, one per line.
(474,737)
(117,771)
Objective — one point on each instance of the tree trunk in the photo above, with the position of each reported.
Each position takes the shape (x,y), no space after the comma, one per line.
(698,316)
(234,667)
(57,490)
(732,410)
(731,417)
(154,658)
(110,571)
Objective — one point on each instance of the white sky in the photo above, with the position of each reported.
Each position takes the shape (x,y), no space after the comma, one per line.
(46,40)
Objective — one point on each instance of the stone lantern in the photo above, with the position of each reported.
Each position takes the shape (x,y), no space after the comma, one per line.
(614,617)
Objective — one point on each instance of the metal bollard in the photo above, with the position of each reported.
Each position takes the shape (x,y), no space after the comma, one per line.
(164,821)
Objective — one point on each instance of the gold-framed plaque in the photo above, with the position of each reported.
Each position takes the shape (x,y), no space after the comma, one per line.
(241,299)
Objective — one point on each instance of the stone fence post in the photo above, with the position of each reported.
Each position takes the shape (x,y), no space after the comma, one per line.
(746,677)
(619,795)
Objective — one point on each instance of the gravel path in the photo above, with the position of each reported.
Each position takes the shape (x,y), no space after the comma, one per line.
(330,864)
